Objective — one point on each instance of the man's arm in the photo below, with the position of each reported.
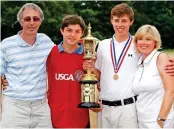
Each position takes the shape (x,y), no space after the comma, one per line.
(0,97)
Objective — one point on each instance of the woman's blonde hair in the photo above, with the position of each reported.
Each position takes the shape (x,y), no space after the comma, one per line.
(151,31)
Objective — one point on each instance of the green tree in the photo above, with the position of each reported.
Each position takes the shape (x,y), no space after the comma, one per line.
(157,13)
(54,11)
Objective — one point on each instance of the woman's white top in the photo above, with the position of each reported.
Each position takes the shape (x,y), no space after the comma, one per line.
(148,85)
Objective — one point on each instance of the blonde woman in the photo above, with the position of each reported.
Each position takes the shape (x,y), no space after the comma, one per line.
(154,87)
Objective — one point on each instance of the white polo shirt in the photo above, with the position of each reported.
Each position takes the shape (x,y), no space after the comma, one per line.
(116,89)
(148,84)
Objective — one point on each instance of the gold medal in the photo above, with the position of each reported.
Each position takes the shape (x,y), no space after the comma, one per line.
(115,77)
(117,64)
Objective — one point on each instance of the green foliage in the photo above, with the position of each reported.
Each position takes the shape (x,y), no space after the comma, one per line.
(54,11)
(157,13)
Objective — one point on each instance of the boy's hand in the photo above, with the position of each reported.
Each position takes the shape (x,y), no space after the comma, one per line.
(97,109)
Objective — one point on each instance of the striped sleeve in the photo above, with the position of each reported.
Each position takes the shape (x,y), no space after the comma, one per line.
(2,60)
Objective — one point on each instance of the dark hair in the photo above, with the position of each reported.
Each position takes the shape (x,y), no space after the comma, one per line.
(73,20)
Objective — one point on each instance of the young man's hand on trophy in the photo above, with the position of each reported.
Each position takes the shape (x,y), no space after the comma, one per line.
(90,64)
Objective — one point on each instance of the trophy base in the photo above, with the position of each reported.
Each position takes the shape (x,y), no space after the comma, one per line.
(89,82)
(88,105)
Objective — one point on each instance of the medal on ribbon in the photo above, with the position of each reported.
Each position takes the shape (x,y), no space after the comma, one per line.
(117,64)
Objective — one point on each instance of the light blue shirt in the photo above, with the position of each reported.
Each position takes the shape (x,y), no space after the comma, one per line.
(25,66)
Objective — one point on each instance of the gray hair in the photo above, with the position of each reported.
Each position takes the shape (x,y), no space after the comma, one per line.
(30,5)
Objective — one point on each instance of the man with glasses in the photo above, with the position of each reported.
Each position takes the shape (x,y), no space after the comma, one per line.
(23,62)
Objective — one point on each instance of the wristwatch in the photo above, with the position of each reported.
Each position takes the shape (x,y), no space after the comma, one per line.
(160,119)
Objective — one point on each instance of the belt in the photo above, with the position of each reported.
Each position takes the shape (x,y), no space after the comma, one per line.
(119,103)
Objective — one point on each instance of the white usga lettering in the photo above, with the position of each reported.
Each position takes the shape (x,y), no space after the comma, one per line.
(71,77)
(59,76)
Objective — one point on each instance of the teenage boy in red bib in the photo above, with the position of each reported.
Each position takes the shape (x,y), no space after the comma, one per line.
(64,67)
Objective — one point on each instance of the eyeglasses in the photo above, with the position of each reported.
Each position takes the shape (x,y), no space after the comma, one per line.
(35,19)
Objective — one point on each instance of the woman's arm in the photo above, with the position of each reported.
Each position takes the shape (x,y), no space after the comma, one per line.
(168,83)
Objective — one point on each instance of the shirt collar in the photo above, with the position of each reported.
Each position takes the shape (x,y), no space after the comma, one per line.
(122,43)
(78,50)
(148,58)
(23,43)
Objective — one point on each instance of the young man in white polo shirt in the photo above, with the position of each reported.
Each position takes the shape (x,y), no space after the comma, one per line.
(23,62)
(116,64)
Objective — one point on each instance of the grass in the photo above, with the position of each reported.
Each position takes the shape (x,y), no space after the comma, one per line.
(170,52)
